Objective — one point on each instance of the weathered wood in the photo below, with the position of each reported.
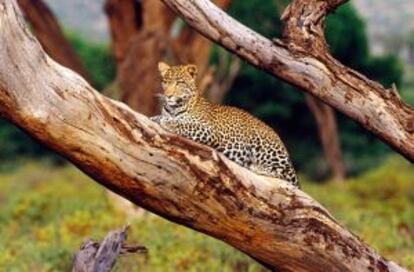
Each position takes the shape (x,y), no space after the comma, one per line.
(101,257)
(185,182)
(303,59)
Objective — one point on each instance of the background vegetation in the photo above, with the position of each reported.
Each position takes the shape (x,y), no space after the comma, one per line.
(47,212)
(48,208)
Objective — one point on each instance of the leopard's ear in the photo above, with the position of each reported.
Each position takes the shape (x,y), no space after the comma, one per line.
(192,70)
(163,68)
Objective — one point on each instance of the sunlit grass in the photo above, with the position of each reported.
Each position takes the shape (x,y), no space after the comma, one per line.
(46,213)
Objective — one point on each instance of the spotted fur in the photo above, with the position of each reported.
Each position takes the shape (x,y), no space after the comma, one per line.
(231,131)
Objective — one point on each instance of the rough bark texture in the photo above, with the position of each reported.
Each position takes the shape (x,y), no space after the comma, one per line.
(101,257)
(328,134)
(325,119)
(49,34)
(180,180)
(303,59)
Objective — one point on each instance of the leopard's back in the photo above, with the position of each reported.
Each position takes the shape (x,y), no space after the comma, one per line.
(241,137)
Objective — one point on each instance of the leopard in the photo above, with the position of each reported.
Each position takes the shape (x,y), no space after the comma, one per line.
(235,133)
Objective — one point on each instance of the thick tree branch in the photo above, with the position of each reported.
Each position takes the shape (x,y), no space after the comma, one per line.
(182,181)
(303,60)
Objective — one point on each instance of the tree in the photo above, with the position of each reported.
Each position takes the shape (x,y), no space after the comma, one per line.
(326,123)
(141,32)
(303,60)
(283,106)
(188,183)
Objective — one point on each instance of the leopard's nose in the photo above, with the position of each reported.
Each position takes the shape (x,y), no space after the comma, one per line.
(169,90)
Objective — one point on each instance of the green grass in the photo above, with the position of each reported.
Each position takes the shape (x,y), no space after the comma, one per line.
(46,213)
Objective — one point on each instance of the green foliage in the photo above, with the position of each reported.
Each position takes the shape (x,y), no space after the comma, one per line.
(386,69)
(282,106)
(47,212)
(97,58)
(378,206)
(15,143)
(346,35)
(262,17)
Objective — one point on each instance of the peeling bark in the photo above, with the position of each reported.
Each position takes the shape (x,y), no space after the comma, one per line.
(303,59)
(185,182)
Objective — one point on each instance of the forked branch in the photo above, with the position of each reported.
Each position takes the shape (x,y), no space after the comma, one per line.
(303,59)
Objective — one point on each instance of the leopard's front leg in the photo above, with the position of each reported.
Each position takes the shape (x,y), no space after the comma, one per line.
(168,123)
(156,119)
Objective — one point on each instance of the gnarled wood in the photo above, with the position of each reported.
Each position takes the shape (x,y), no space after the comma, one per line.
(303,60)
(101,257)
(178,179)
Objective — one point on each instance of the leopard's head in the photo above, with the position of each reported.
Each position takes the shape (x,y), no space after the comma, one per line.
(179,86)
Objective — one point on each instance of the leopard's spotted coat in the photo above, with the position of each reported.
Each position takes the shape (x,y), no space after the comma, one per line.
(231,131)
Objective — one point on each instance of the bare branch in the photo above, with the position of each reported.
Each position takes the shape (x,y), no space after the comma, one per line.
(101,257)
(303,60)
(180,180)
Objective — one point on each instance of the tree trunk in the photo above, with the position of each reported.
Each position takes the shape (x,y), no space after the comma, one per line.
(303,59)
(222,79)
(191,47)
(185,182)
(140,33)
(49,34)
(328,134)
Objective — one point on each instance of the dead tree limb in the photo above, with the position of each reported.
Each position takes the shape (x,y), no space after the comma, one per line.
(303,59)
(190,184)
(101,257)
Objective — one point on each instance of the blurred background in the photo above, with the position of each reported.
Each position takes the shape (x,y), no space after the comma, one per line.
(116,44)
